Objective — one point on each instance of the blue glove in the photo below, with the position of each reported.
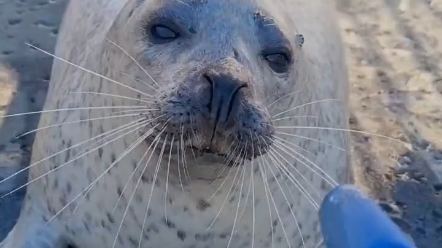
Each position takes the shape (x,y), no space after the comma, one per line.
(349,219)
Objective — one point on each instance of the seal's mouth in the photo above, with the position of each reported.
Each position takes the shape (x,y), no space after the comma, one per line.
(207,150)
(191,149)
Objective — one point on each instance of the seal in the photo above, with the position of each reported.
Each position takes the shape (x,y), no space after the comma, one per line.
(188,123)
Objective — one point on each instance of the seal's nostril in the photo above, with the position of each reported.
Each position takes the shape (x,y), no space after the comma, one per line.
(211,82)
(224,99)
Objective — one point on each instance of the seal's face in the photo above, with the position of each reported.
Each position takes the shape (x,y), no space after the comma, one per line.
(221,73)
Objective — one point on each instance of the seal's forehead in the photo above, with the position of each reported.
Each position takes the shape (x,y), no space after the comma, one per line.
(211,9)
(221,19)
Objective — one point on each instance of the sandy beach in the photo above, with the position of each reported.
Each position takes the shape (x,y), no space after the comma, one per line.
(394,58)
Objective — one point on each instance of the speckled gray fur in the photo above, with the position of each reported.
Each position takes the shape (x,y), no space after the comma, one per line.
(227,36)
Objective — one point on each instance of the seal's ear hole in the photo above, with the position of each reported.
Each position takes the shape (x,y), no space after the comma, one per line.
(299,40)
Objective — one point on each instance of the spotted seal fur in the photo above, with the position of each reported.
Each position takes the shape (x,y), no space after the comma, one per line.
(188,123)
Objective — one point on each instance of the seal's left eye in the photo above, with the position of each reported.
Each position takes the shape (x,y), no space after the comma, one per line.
(279,62)
(163,34)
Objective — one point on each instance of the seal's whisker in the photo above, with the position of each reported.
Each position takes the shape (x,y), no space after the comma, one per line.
(280,165)
(230,157)
(154,180)
(231,191)
(296,146)
(156,141)
(130,177)
(130,111)
(195,137)
(84,69)
(271,196)
(226,164)
(167,178)
(264,179)
(60,166)
(195,132)
(329,179)
(346,130)
(243,172)
(252,176)
(124,153)
(303,105)
(136,62)
(225,178)
(73,122)
(90,186)
(288,177)
(112,95)
(183,149)
(250,185)
(284,169)
(289,205)
(307,138)
(296,116)
(178,165)
(281,98)
(247,196)
(135,79)
(106,134)
(79,108)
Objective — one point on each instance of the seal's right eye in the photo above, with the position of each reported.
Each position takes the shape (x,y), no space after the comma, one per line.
(163,34)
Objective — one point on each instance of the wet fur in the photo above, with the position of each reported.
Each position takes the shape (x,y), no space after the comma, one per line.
(318,73)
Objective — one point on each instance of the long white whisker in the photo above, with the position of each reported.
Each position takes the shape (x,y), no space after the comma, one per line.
(152,188)
(131,175)
(273,201)
(264,179)
(303,105)
(58,167)
(167,177)
(232,187)
(90,186)
(296,116)
(156,140)
(135,79)
(279,164)
(289,205)
(86,70)
(130,111)
(225,179)
(117,130)
(329,179)
(112,95)
(183,149)
(295,181)
(344,130)
(243,172)
(253,197)
(136,62)
(80,108)
(125,152)
(281,98)
(73,122)
(307,138)
(178,165)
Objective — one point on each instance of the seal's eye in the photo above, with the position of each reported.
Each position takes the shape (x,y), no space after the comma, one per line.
(279,62)
(163,34)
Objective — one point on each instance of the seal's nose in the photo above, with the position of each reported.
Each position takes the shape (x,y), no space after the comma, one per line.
(225,97)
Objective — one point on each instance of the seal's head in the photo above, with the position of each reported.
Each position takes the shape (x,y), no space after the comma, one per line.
(212,75)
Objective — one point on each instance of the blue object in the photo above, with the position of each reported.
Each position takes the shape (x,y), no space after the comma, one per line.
(350,219)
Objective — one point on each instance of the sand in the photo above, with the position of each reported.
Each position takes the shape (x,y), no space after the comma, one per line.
(394,54)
